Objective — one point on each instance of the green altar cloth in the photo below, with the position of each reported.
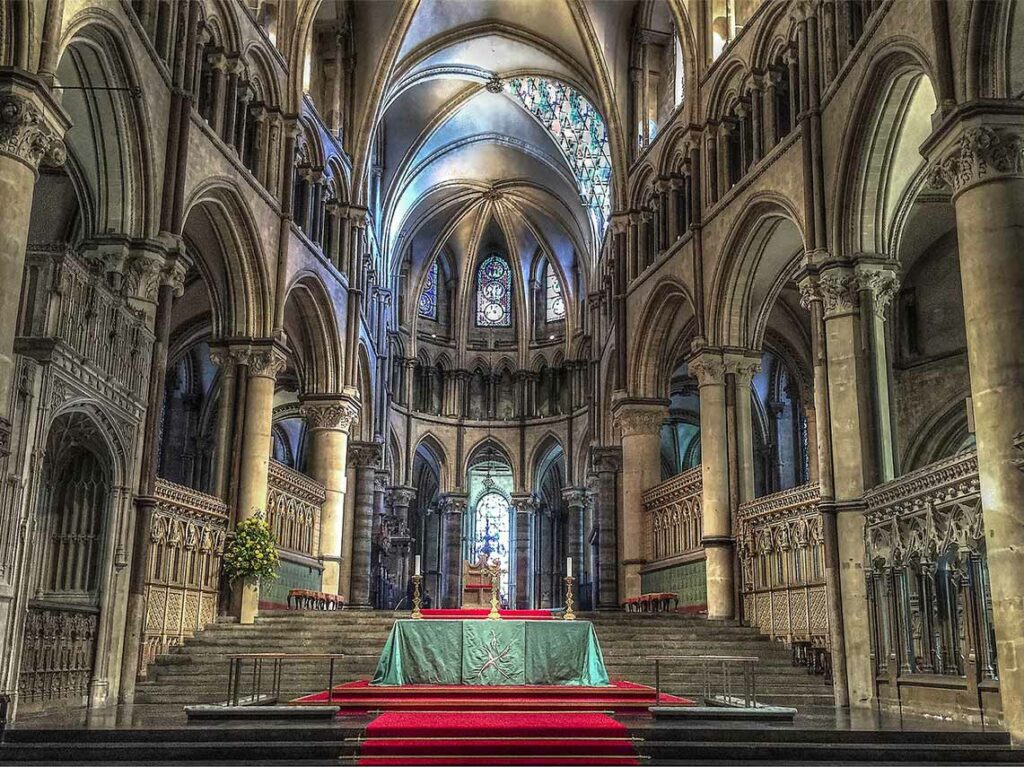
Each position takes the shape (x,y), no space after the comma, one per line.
(482,652)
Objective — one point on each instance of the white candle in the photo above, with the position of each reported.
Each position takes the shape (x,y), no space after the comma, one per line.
(568,567)
(417,564)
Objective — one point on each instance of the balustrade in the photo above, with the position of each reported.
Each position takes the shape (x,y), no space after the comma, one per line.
(782,555)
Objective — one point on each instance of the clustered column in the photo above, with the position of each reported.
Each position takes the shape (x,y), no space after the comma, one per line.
(607,462)
(452,507)
(525,509)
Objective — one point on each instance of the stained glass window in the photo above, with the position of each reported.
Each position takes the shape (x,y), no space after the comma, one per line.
(494,293)
(553,296)
(428,298)
(579,131)
(492,532)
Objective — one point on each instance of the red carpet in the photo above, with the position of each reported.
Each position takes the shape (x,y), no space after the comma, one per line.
(620,697)
(427,738)
(533,615)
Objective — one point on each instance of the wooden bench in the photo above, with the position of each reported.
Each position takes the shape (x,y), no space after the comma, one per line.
(652,603)
(306,599)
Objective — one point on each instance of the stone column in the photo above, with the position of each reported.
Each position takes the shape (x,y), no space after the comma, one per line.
(980,156)
(743,368)
(348,532)
(263,363)
(709,369)
(365,457)
(576,500)
(328,422)
(32,127)
(401,497)
(525,508)
(378,533)
(607,463)
(639,421)
(452,507)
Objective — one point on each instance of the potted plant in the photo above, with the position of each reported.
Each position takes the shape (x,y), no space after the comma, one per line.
(251,555)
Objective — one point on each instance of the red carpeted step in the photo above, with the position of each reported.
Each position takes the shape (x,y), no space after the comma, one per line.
(496,738)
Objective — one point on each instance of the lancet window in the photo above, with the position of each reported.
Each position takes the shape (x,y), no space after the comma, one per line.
(428,298)
(494,293)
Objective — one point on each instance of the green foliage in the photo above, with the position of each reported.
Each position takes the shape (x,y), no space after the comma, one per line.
(252,553)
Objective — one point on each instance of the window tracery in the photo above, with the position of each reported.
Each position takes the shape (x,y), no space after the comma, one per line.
(554,300)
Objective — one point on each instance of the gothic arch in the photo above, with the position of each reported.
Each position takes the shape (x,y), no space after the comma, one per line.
(110,135)
(547,450)
(311,325)
(760,254)
(667,313)
(880,158)
(493,446)
(434,448)
(235,267)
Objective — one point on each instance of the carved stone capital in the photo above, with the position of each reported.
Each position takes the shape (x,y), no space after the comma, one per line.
(263,361)
(606,459)
(744,367)
(577,497)
(365,455)
(401,496)
(708,367)
(639,417)
(336,413)
(883,284)
(839,290)
(979,154)
(453,503)
(32,126)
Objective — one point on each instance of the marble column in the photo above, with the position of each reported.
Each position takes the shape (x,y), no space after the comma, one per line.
(263,363)
(978,152)
(32,127)
(709,369)
(607,464)
(639,421)
(525,509)
(328,422)
(365,457)
(452,507)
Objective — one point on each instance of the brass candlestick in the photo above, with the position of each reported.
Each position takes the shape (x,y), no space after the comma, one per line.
(416,581)
(494,614)
(569,614)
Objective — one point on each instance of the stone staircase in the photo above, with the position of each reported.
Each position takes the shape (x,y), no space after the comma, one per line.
(197,671)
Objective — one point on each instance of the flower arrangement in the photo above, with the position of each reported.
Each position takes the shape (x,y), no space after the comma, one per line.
(252,553)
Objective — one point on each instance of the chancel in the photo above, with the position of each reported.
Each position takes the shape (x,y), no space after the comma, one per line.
(550,381)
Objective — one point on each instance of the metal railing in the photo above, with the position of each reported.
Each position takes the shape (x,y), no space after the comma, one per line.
(269,666)
(729,680)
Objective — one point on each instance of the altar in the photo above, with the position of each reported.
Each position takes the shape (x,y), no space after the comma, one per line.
(486,652)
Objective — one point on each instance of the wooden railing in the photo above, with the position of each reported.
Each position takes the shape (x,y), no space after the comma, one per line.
(672,517)
(293,510)
(186,546)
(782,554)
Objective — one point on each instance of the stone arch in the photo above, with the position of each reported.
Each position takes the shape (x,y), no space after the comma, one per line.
(490,445)
(438,456)
(761,252)
(109,141)
(366,386)
(667,314)
(547,450)
(992,59)
(880,158)
(233,263)
(311,327)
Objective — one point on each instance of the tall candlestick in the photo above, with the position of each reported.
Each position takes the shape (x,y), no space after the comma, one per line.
(568,566)
(417,564)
